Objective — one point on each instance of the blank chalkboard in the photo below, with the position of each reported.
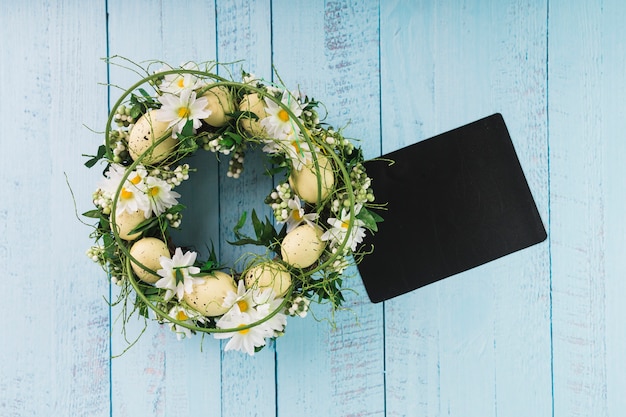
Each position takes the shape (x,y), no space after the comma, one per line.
(454,202)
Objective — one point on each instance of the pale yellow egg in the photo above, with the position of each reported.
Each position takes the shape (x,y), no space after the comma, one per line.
(253,103)
(302,246)
(148,252)
(220,104)
(126,222)
(305,181)
(269,275)
(208,297)
(144,134)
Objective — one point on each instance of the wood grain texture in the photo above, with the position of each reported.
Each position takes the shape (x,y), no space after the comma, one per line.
(331,52)
(537,333)
(243,33)
(54,349)
(161,376)
(449,345)
(586,164)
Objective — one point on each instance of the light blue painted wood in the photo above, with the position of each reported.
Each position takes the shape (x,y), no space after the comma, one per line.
(478,344)
(243,33)
(335,61)
(54,342)
(161,376)
(586,85)
(449,345)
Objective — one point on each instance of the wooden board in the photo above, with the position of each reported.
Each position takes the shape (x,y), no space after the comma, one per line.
(540,332)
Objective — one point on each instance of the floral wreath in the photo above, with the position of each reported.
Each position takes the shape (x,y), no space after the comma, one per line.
(320,205)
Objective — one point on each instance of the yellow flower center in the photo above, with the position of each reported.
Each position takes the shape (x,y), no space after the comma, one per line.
(181,82)
(296,146)
(181,316)
(296,215)
(243,331)
(345,225)
(283,115)
(154,191)
(243,305)
(184,112)
(135,180)
(125,194)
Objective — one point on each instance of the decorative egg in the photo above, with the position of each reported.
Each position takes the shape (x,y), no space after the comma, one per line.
(208,297)
(148,251)
(255,104)
(220,103)
(269,275)
(144,133)
(304,182)
(126,222)
(302,246)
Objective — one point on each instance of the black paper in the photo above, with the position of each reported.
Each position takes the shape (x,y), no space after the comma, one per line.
(455,201)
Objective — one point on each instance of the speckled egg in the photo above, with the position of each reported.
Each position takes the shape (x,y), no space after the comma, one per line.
(220,103)
(126,222)
(255,104)
(269,275)
(148,251)
(208,297)
(144,133)
(304,182)
(302,246)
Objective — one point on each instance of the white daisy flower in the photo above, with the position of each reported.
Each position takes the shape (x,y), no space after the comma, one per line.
(296,214)
(178,110)
(296,148)
(278,123)
(339,231)
(177,274)
(186,315)
(160,195)
(132,196)
(299,152)
(176,83)
(245,340)
(249,306)
(276,324)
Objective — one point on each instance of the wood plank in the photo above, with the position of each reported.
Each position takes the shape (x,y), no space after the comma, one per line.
(54,349)
(243,33)
(586,56)
(321,371)
(461,346)
(160,373)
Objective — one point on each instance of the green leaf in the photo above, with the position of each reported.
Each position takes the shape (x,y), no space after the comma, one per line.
(93,214)
(145,225)
(178,274)
(240,223)
(145,94)
(369,219)
(136,110)
(257,225)
(102,150)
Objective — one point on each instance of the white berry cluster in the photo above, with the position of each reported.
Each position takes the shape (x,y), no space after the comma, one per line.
(235,165)
(118,140)
(278,199)
(299,307)
(360,188)
(102,200)
(173,177)
(122,117)
(96,254)
(337,141)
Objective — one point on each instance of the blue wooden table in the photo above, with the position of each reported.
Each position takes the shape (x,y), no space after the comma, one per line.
(540,333)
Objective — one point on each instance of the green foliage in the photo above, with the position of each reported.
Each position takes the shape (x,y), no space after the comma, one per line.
(265,234)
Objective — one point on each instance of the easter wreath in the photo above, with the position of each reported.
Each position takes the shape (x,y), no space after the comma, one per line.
(320,204)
